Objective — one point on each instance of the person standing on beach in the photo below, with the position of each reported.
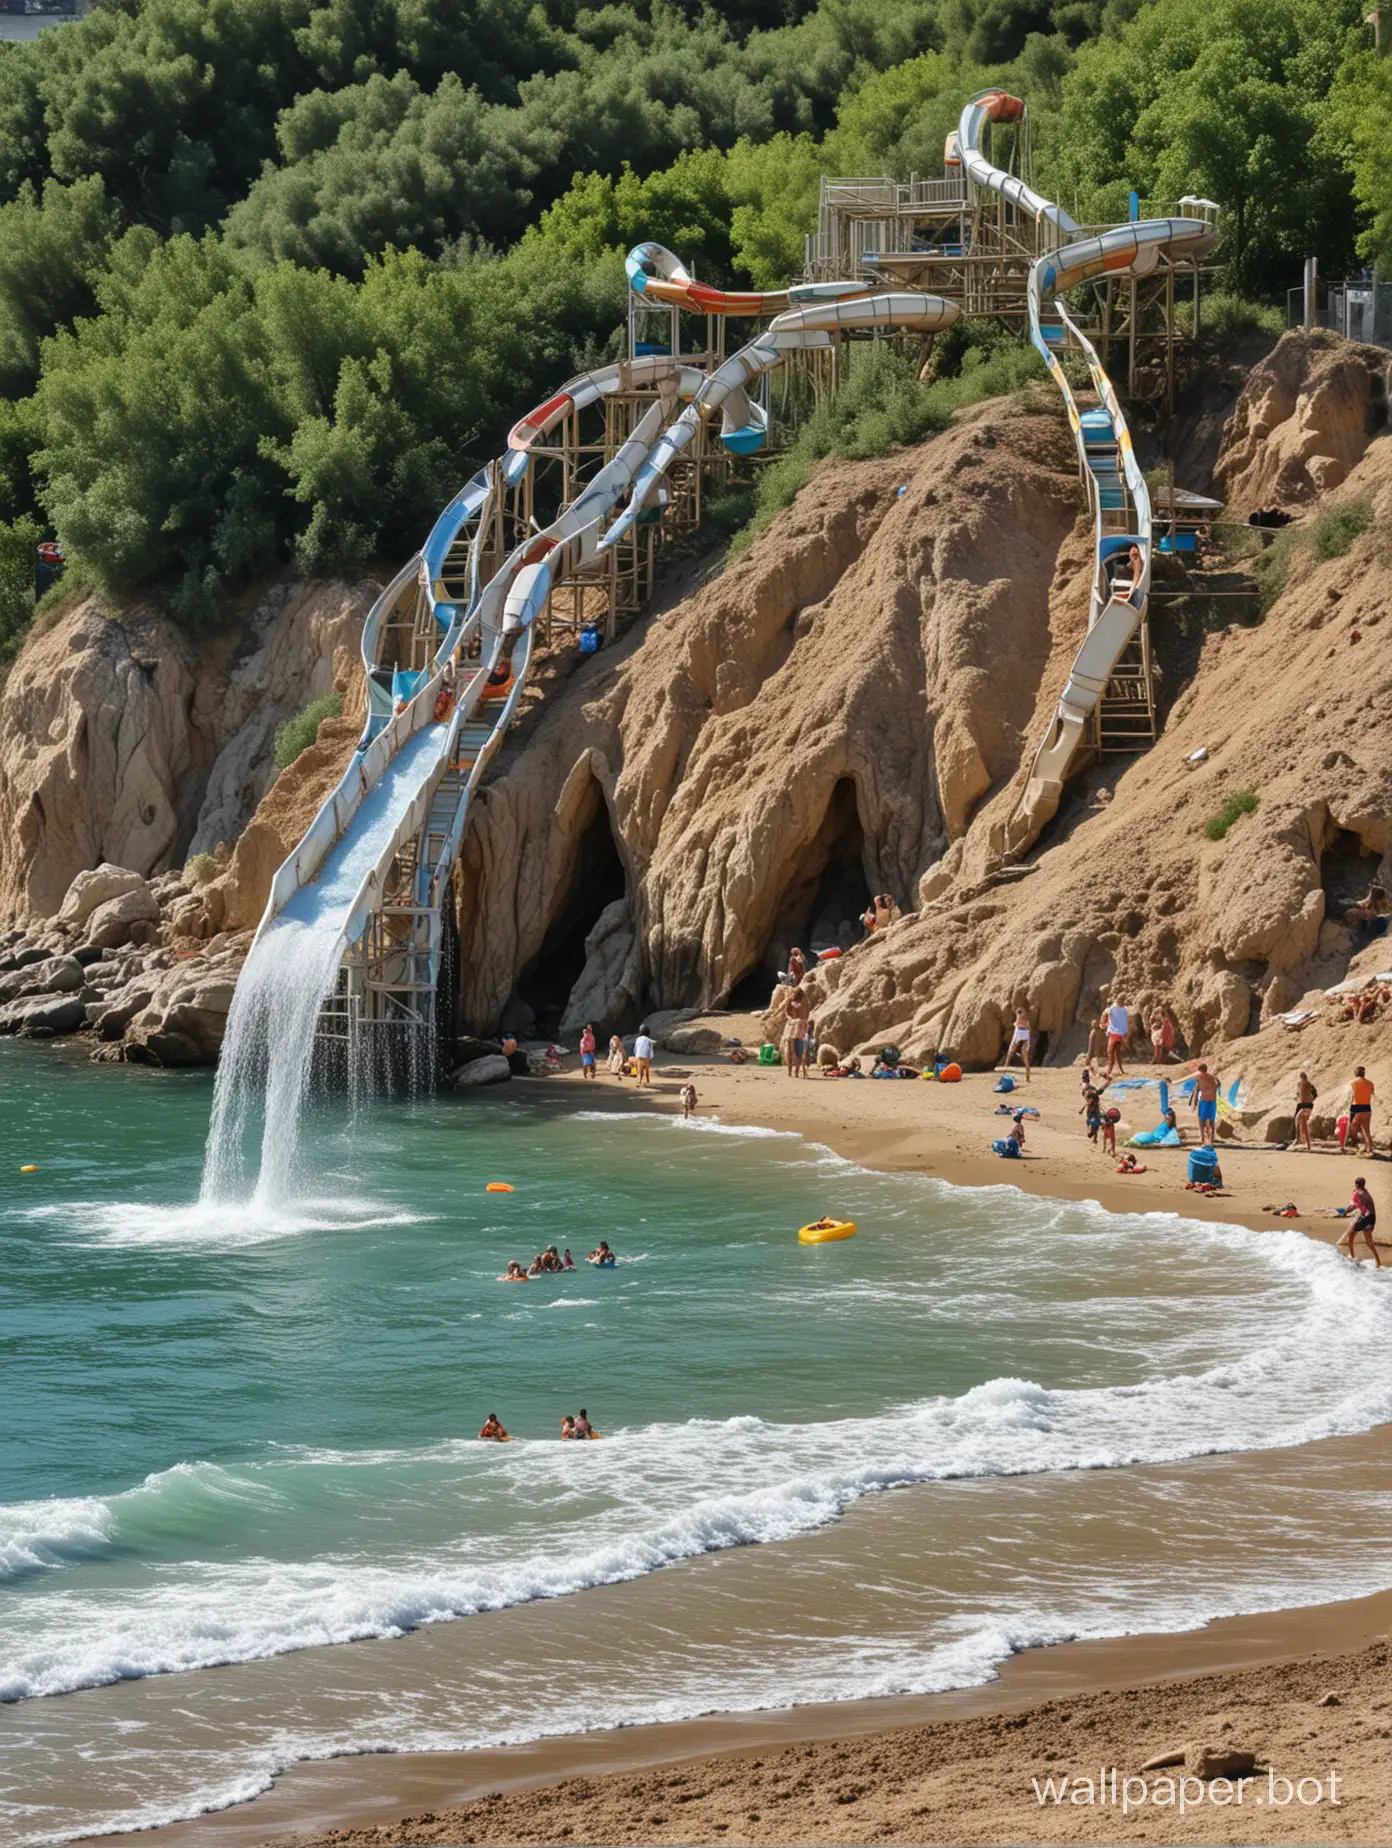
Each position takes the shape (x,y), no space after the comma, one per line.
(618,1058)
(1097,1043)
(1206,1087)
(1305,1095)
(643,1056)
(1019,1041)
(1364,1223)
(587,1052)
(795,1033)
(1092,1106)
(1360,1113)
(1118,1018)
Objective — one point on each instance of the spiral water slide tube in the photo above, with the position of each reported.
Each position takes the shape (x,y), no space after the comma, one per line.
(413,774)
(1117,491)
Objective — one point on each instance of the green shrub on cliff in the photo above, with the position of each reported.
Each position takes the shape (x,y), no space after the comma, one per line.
(18,539)
(1244,802)
(297,734)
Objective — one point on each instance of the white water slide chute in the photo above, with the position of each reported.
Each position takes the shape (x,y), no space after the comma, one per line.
(1117,493)
(350,946)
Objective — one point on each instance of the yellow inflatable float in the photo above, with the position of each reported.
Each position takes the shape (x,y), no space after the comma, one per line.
(824,1231)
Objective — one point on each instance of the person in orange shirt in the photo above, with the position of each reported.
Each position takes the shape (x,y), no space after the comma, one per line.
(1361,1111)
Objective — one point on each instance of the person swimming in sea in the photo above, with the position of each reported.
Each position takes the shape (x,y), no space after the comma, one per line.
(602,1255)
(513,1274)
(583,1427)
(493,1432)
(567,1262)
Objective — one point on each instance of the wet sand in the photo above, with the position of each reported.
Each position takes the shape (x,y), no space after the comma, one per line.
(844,1771)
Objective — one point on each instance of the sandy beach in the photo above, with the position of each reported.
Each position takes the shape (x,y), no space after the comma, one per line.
(1306,1692)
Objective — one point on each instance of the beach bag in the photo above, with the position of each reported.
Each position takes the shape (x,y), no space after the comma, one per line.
(1006,1146)
(1004,1083)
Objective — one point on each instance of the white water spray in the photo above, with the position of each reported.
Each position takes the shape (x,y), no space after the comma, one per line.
(267,1060)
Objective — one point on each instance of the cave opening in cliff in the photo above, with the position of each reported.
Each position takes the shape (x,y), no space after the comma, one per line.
(821,906)
(596,880)
(1354,895)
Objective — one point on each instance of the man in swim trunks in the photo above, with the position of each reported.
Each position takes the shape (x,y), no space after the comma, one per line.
(1361,1110)
(583,1427)
(1365,1221)
(1206,1103)
(1118,1019)
(587,1051)
(1019,1041)
(493,1432)
(795,1033)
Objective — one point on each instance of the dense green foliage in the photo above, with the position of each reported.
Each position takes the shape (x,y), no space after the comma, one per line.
(296,735)
(276,274)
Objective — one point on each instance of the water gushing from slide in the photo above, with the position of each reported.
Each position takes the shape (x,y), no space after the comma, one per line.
(267,1061)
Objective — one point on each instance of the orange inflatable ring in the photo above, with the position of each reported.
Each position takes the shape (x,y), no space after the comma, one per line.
(950,1074)
(499,1187)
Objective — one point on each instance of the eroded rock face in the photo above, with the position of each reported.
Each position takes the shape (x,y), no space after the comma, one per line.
(1127,899)
(97,887)
(125,741)
(816,724)
(1303,423)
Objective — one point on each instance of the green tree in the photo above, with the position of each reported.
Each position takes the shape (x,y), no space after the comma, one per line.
(1228,98)
(1362,123)
(51,249)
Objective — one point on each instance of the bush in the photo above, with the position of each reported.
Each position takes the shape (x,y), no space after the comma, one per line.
(882,405)
(17,541)
(297,734)
(1336,529)
(1243,803)
(202,868)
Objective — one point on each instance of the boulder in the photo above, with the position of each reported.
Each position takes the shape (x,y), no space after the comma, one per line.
(609,991)
(113,1013)
(96,887)
(119,920)
(1280,1129)
(187,1009)
(492,1069)
(89,953)
(1207,1761)
(24,957)
(43,1014)
(55,975)
(692,1039)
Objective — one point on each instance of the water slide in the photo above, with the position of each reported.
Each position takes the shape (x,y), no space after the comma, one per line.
(431,730)
(1117,491)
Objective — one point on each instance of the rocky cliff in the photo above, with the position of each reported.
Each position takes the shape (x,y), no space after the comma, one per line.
(817,722)
(847,710)
(126,747)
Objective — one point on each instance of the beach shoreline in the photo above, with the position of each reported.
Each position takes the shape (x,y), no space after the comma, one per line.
(942,1131)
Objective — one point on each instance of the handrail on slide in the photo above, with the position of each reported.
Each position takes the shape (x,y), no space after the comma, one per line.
(500,615)
(1116,610)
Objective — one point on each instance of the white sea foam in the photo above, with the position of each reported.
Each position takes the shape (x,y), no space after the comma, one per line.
(118,1224)
(44,1535)
(665,1492)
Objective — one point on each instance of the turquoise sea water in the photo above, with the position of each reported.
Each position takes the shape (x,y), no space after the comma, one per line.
(235,1433)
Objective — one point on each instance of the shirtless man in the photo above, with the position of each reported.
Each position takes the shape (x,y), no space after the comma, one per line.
(1206,1103)
(795,1033)
(1364,1223)
(1019,1041)
(583,1427)
(493,1432)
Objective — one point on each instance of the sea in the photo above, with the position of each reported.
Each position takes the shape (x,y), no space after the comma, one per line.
(245,1519)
